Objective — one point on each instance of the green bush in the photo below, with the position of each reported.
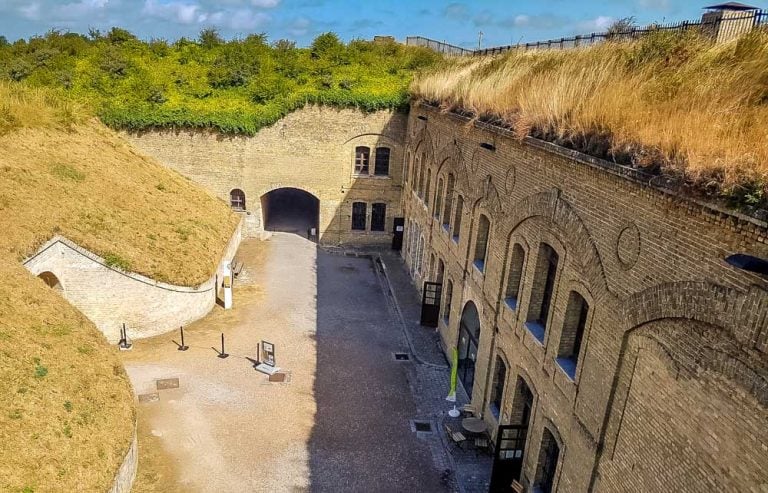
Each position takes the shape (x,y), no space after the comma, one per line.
(234,87)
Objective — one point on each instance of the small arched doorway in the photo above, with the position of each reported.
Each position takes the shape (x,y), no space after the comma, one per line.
(469,341)
(290,210)
(51,280)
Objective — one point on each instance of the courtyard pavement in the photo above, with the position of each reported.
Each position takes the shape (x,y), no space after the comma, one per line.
(344,419)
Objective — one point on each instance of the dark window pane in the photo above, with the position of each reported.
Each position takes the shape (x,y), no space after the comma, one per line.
(362,157)
(358,215)
(381,167)
(378,217)
(237,199)
(549,285)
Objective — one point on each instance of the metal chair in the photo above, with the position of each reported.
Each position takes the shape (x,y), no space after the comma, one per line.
(457,438)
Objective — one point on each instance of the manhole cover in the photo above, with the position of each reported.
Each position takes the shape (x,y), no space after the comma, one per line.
(401,356)
(151,397)
(167,383)
(421,427)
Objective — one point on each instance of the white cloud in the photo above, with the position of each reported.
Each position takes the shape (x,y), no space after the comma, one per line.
(599,23)
(265,4)
(242,19)
(31,11)
(299,27)
(183,13)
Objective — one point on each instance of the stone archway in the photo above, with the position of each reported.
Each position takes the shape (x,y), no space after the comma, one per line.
(52,281)
(290,210)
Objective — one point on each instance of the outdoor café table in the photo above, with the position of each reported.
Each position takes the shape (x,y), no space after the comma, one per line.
(474,425)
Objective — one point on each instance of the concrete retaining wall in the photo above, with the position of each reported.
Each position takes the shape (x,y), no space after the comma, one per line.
(127,472)
(110,297)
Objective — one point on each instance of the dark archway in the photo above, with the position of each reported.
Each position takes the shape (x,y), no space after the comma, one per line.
(290,210)
(469,341)
(51,280)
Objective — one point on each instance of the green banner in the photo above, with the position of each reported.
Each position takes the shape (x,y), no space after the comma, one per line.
(454,376)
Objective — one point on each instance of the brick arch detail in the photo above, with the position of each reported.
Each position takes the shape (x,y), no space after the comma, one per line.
(702,301)
(569,228)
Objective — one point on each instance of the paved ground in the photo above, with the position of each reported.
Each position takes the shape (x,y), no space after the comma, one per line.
(342,423)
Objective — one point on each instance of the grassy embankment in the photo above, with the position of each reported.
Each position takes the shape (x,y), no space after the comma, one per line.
(236,86)
(66,408)
(671,104)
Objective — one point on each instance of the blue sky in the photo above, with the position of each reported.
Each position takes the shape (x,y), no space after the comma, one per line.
(457,22)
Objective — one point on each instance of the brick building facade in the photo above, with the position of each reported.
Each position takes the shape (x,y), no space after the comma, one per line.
(340,157)
(593,309)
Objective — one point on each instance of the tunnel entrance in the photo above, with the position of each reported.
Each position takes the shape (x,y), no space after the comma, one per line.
(290,210)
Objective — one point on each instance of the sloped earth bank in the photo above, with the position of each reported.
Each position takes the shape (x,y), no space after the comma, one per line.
(340,424)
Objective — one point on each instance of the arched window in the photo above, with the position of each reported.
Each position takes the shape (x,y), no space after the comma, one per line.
(362,158)
(420,255)
(237,199)
(469,342)
(457,218)
(448,202)
(515,276)
(573,333)
(406,166)
(440,271)
(481,242)
(359,211)
(542,290)
(438,197)
(431,270)
(426,191)
(549,455)
(422,169)
(497,388)
(381,167)
(447,303)
(415,173)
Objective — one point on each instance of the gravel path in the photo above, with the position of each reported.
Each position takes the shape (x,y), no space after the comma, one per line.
(342,421)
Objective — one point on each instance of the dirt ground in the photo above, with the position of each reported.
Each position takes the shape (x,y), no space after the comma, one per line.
(339,424)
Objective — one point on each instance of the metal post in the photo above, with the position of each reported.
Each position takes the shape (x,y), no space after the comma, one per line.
(182,347)
(222,354)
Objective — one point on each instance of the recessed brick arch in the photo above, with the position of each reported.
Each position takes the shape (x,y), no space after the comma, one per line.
(702,301)
(694,374)
(570,229)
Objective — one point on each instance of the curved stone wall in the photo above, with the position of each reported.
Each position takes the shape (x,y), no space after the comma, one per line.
(110,297)
(127,472)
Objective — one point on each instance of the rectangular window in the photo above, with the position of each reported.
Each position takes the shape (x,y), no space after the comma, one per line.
(359,211)
(378,216)
(426,192)
(362,158)
(381,167)
(438,198)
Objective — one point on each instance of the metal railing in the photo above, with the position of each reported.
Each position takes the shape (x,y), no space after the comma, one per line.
(438,46)
(720,26)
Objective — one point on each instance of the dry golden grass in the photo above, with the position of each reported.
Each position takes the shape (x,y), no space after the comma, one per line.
(696,110)
(66,407)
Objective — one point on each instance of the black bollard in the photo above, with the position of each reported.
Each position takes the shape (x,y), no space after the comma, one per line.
(222,354)
(123,343)
(182,347)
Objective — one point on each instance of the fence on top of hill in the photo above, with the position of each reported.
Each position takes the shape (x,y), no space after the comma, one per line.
(720,26)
